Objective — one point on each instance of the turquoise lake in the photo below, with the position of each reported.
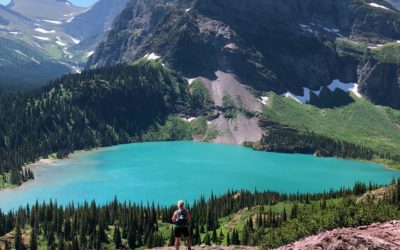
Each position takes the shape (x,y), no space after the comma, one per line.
(167,171)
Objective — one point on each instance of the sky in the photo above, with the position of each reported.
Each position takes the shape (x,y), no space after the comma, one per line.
(83,3)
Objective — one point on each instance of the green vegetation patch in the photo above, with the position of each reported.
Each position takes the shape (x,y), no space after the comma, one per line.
(360,122)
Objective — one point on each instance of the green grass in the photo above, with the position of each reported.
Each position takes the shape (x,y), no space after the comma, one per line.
(388,53)
(5,184)
(360,122)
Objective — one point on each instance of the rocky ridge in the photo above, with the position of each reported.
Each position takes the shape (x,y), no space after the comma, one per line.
(375,236)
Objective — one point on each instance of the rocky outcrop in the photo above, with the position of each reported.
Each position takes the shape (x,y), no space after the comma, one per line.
(376,236)
(269,45)
(380,82)
(213,248)
(93,24)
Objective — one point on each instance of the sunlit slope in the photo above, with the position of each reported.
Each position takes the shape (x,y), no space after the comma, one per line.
(359,122)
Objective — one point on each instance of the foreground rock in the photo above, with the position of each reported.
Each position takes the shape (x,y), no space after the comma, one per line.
(375,236)
(213,248)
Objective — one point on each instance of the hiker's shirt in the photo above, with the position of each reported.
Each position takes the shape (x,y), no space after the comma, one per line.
(182,219)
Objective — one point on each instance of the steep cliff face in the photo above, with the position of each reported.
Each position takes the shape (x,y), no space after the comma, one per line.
(268,45)
(92,25)
(129,32)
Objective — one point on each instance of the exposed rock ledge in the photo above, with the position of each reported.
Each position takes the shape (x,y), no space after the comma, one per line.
(375,236)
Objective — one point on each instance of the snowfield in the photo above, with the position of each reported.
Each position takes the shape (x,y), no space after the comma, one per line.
(43,31)
(335,84)
(89,54)
(42,38)
(378,6)
(152,56)
(52,21)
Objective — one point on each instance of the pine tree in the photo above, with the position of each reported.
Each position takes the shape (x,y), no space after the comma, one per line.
(214,236)
(33,243)
(132,238)
(235,237)
(117,237)
(207,239)
(228,239)
(19,245)
(221,237)
(171,241)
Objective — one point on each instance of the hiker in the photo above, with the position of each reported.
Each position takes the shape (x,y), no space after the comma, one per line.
(181,219)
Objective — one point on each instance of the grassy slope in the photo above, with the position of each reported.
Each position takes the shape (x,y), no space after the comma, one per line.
(360,122)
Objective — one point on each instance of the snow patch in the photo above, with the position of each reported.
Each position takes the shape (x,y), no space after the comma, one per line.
(60,42)
(331,30)
(189,119)
(40,30)
(376,47)
(20,52)
(76,69)
(187,10)
(378,6)
(89,54)
(264,99)
(191,80)
(15,33)
(52,21)
(76,41)
(308,28)
(66,52)
(346,87)
(43,38)
(335,84)
(152,56)
(300,99)
(70,19)
(34,60)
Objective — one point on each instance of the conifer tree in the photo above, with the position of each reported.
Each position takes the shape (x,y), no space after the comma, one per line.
(117,237)
(19,245)
(228,239)
(207,239)
(33,244)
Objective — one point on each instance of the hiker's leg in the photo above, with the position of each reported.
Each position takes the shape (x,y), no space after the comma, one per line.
(188,242)
(177,242)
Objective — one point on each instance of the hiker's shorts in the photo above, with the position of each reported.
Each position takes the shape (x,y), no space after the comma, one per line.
(179,231)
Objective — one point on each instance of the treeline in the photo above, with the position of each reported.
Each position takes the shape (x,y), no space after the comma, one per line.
(126,225)
(96,108)
(286,140)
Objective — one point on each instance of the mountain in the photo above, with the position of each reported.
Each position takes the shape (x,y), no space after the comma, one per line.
(22,65)
(48,27)
(50,10)
(241,49)
(97,20)
(269,45)
(395,3)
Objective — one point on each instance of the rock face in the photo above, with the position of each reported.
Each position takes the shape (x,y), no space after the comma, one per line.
(395,3)
(93,24)
(213,248)
(45,9)
(268,45)
(375,236)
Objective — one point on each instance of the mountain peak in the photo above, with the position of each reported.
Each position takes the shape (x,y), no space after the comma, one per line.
(45,9)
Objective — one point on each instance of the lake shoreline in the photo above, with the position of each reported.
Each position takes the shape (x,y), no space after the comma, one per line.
(46,161)
(142,172)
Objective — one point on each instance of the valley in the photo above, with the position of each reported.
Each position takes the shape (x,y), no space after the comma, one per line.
(134,104)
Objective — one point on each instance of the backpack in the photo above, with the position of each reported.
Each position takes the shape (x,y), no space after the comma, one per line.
(182,219)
